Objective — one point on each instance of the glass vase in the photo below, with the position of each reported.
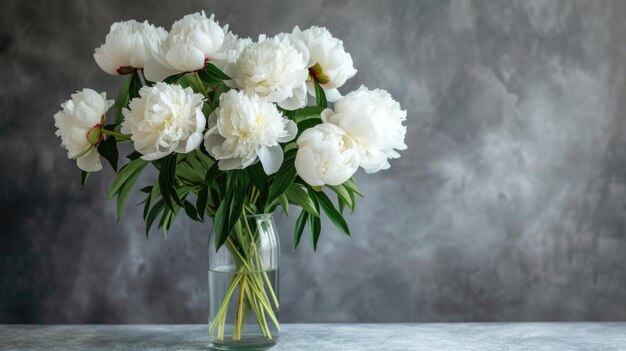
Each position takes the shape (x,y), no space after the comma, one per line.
(243,286)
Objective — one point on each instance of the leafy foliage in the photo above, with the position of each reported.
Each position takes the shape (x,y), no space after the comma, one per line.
(194,183)
(108,150)
(129,90)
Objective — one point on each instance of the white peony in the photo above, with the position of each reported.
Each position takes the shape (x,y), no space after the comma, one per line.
(192,41)
(245,128)
(230,51)
(329,62)
(80,124)
(164,119)
(326,155)
(374,120)
(274,69)
(128,46)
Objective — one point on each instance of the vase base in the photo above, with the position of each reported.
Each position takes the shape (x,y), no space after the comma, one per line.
(252,344)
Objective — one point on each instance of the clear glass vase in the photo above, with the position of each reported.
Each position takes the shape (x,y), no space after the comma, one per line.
(243,286)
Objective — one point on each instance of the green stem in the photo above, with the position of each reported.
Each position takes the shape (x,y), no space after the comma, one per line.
(201,85)
(116,134)
(258,260)
(227,297)
(251,280)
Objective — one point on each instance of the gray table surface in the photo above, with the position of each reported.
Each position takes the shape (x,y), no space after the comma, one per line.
(337,337)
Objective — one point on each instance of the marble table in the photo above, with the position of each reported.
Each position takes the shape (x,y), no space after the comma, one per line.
(335,337)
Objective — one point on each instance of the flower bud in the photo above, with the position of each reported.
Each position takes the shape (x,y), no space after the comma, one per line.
(318,74)
(95,135)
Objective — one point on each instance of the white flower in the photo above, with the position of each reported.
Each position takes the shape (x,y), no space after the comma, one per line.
(273,68)
(164,119)
(326,155)
(374,120)
(245,128)
(192,41)
(329,62)
(79,125)
(128,46)
(230,51)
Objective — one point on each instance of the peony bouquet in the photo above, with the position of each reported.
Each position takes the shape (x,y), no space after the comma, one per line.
(235,128)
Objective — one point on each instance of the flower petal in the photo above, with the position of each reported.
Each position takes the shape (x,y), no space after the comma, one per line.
(90,162)
(271,158)
(297,100)
(185,58)
(292,129)
(155,155)
(332,95)
(228,164)
(156,72)
(305,167)
(105,63)
(193,142)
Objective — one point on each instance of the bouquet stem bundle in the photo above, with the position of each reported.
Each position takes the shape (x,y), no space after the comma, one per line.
(252,282)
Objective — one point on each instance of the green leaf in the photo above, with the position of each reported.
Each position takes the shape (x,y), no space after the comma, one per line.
(284,203)
(146,206)
(315,223)
(190,210)
(212,174)
(217,91)
(298,196)
(155,191)
(285,176)
(331,211)
(192,82)
(173,79)
(350,184)
(83,178)
(230,207)
(129,91)
(215,72)
(201,201)
(221,222)
(320,96)
(154,194)
(122,100)
(306,124)
(299,228)
(315,229)
(204,158)
(108,150)
(342,205)
(343,195)
(154,212)
(191,169)
(168,223)
(134,86)
(125,192)
(122,176)
(167,182)
(307,112)
(166,220)
(257,176)
(133,155)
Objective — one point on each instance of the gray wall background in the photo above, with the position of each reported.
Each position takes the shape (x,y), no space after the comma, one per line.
(508,205)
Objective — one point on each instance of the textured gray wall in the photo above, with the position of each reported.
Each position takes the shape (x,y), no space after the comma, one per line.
(508,205)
